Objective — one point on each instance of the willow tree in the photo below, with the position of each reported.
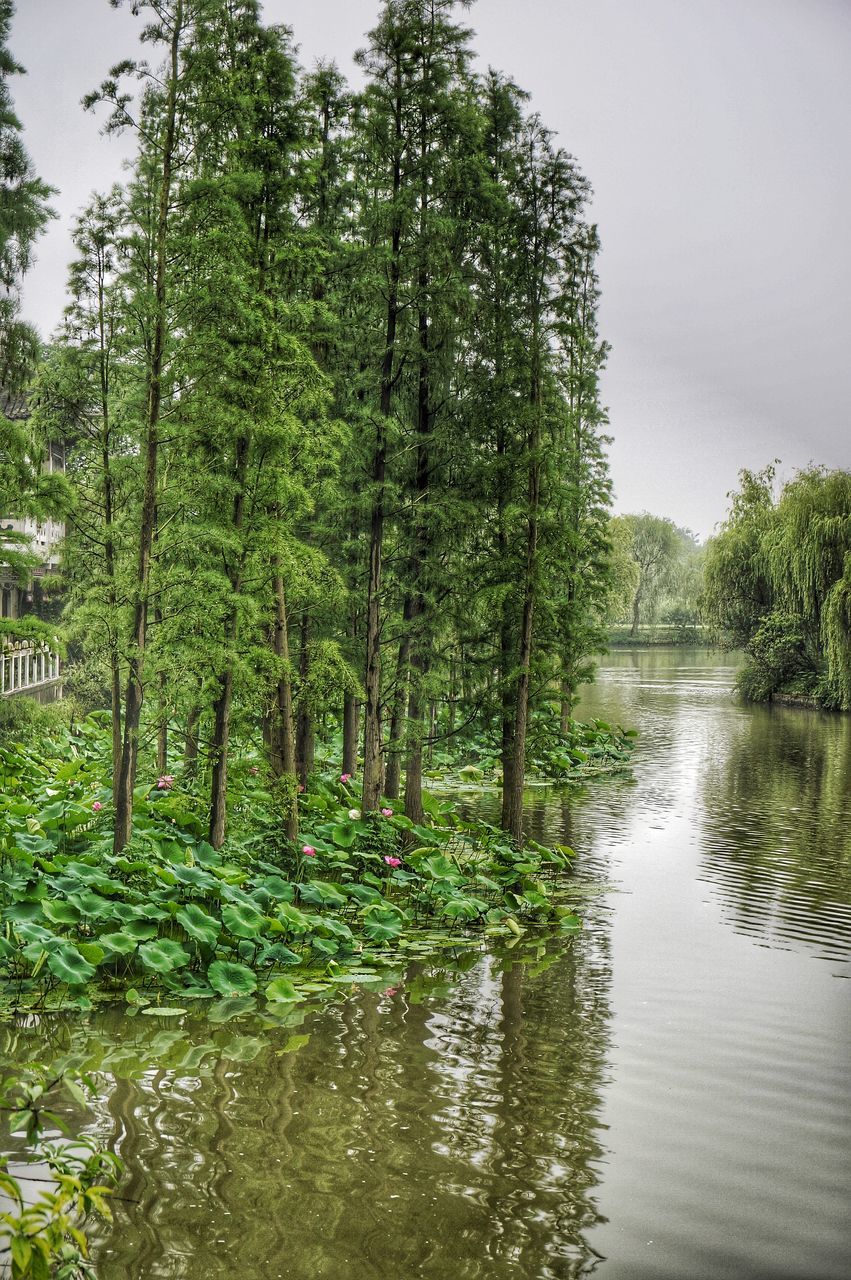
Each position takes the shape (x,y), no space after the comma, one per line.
(807,551)
(777,583)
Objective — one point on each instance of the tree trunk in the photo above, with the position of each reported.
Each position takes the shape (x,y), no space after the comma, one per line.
(393,776)
(281,737)
(351,726)
(162,713)
(372,763)
(219,751)
(513,781)
(190,747)
(414,761)
(305,739)
(222,706)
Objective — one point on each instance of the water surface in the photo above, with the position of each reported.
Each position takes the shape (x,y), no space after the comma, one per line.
(666,1095)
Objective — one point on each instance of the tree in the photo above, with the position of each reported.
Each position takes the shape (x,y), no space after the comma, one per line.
(654,545)
(777,583)
(24,213)
(160,159)
(78,396)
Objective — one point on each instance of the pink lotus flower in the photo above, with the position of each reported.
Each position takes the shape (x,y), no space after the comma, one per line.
(165,782)
(354,814)
(392,862)
(300,787)
(308,851)
(387,813)
(345,777)
(97,806)
(254,771)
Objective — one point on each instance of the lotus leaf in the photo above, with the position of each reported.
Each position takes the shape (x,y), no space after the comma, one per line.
(60,912)
(66,963)
(163,955)
(119,944)
(199,925)
(231,979)
(243,921)
(280,989)
(322,893)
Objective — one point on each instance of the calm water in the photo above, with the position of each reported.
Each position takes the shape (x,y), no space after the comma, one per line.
(667,1095)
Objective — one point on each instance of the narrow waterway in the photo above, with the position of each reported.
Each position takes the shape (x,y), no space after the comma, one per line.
(665,1095)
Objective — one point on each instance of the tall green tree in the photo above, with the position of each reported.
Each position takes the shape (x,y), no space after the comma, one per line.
(161,160)
(24,213)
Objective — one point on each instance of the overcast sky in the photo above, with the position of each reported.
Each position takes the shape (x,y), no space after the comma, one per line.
(716,136)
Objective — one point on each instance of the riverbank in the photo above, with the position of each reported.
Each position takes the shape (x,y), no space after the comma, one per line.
(651,635)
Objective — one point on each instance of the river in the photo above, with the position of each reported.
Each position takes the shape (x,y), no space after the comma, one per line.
(665,1095)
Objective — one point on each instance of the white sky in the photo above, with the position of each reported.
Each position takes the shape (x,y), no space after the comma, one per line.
(716,136)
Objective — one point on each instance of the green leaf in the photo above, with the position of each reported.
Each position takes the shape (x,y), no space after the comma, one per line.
(198,924)
(163,1011)
(194,877)
(60,912)
(66,963)
(243,921)
(92,905)
(142,930)
(163,956)
(282,989)
(344,834)
(294,920)
(119,944)
(91,952)
(382,926)
(277,888)
(322,893)
(231,979)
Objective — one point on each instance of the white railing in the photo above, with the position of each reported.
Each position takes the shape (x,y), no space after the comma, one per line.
(25,666)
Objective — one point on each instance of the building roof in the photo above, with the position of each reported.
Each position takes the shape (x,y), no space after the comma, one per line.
(13,405)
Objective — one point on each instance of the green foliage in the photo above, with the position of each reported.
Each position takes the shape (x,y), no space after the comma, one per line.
(169,914)
(666,571)
(43,1236)
(778,656)
(25,213)
(330,381)
(777,584)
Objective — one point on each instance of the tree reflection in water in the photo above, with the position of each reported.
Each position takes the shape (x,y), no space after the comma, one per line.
(776,828)
(447,1127)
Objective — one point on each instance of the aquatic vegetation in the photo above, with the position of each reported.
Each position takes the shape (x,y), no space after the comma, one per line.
(170,919)
(585,749)
(42,1234)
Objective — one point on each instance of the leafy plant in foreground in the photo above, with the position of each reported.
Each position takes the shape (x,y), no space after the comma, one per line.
(43,1235)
